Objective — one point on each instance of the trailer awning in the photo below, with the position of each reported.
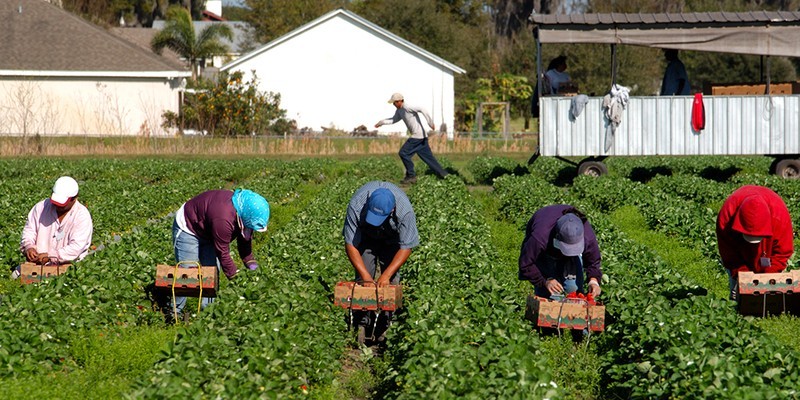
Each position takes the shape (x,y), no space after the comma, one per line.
(759,32)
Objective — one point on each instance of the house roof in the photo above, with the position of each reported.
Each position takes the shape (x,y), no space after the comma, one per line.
(358,21)
(142,38)
(756,32)
(239,32)
(38,38)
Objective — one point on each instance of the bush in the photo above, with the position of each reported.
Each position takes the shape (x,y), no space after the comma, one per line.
(231,107)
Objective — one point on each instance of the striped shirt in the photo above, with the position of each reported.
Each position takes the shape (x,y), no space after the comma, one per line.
(403,221)
(411,116)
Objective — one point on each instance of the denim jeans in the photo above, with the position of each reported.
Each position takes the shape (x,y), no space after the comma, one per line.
(191,248)
(568,271)
(423,150)
(733,285)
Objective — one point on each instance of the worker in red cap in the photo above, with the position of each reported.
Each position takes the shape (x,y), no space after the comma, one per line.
(754,233)
(58,229)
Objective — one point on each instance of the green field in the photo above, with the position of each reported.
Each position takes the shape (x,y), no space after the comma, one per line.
(274,333)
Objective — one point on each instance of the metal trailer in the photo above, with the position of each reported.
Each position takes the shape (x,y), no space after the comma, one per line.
(661,125)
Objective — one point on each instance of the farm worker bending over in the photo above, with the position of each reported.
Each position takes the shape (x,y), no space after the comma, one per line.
(206,225)
(379,228)
(754,233)
(418,142)
(559,245)
(58,229)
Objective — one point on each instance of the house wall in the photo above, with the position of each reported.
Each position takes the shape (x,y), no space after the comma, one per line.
(85,106)
(338,75)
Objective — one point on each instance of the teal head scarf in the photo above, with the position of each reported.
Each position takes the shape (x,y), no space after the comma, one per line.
(252,209)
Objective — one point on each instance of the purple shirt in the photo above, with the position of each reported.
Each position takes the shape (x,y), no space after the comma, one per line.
(211,216)
(539,241)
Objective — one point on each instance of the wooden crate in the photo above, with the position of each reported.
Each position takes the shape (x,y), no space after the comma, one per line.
(35,273)
(769,293)
(350,294)
(186,280)
(744,89)
(566,314)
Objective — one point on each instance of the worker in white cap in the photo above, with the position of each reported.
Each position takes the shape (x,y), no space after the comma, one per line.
(59,229)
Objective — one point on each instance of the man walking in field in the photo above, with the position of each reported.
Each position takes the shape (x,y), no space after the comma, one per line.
(418,142)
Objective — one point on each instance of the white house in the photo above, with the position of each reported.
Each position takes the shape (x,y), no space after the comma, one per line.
(62,75)
(339,71)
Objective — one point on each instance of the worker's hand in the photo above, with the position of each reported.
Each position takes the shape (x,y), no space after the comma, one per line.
(379,124)
(383,282)
(31,254)
(369,283)
(252,265)
(433,128)
(594,288)
(42,259)
(554,287)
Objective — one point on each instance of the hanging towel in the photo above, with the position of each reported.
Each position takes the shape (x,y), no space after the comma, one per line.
(614,104)
(577,105)
(698,113)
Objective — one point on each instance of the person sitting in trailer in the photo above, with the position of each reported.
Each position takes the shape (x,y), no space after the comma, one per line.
(754,233)
(206,225)
(380,228)
(557,77)
(58,229)
(559,247)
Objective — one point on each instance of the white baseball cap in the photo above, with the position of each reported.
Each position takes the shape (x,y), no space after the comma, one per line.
(64,189)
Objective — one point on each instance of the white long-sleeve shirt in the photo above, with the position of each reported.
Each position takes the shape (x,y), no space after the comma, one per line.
(67,240)
(410,115)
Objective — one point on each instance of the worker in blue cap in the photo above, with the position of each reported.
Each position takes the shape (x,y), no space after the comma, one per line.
(380,229)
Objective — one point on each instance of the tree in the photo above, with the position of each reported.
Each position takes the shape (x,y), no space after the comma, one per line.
(271,19)
(179,35)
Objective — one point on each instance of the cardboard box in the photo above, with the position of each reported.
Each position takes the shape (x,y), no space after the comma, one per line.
(769,293)
(748,89)
(35,273)
(779,282)
(566,314)
(186,280)
(352,295)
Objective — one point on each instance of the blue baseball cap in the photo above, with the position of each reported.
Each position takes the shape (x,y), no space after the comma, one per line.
(379,205)
(569,235)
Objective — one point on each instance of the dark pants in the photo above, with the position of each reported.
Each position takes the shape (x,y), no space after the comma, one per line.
(568,271)
(423,150)
(373,255)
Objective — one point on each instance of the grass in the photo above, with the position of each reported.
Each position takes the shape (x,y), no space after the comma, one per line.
(106,364)
(247,146)
(694,265)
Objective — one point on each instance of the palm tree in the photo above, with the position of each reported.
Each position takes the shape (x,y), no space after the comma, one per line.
(178,35)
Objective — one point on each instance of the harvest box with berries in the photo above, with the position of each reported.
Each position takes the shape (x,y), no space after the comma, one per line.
(187,280)
(769,293)
(35,273)
(573,312)
(353,295)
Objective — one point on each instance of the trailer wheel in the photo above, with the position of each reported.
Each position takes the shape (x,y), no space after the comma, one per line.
(788,168)
(592,168)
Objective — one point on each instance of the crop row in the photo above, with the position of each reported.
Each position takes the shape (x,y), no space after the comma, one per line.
(462,332)
(665,339)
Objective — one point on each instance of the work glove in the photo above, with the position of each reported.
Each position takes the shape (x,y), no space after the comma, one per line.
(252,266)
(594,288)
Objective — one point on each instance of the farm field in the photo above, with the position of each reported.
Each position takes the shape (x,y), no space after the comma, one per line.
(274,332)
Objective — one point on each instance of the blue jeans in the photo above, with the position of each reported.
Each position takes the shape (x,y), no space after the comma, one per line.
(423,150)
(733,285)
(191,248)
(568,271)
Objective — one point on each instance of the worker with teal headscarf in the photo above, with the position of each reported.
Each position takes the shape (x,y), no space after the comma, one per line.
(206,225)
